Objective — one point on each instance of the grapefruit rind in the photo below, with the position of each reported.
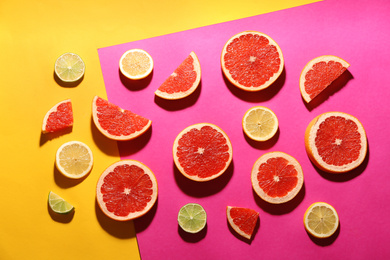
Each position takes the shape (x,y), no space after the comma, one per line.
(313,232)
(234,226)
(312,151)
(270,80)
(180,95)
(199,126)
(131,215)
(260,192)
(248,131)
(309,65)
(54,109)
(140,76)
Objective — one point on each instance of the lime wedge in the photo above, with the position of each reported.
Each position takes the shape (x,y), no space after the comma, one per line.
(59,205)
(69,67)
(192,218)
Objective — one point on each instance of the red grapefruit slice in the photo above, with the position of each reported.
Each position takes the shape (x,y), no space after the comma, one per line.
(319,73)
(126,190)
(183,81)
(242,220)
(252,60)
(336,142)
(58,117)
(277,177)
(202,152)
(117,123)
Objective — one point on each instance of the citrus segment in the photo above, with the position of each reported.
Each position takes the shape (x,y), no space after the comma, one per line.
(321,220)
(242,220)
(58,117)
(319,73)
(277,177)
(58,204)
(74,159)
(117,123)
(202,152)
(260,123)
(192,218)
(126,190)
(69,67)
(336,142)
(136,64)
(183,81)
(252,60)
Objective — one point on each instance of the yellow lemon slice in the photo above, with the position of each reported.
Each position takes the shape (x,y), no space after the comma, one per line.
(260,123)
(136,64)
(321,220)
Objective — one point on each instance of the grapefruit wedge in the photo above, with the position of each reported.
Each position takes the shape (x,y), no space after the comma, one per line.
(117,123)
(183,81)
(58,117)
(242,220)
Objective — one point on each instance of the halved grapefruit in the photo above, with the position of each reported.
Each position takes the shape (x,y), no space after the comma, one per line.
(242,220)
(126,190)
(319,73)
(336,142)
(202,152)
(183,81)
(117,123)
(58,117)
(277,177)
(252,60)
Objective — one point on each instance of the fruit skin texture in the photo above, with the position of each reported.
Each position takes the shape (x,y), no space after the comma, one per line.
(61,115)
(247,217)
(313,155)
(306,215)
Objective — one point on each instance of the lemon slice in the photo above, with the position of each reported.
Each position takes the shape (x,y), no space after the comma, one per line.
(74,159)
(321,220)
(260,123)
(192,218)
(136,64)
(58,204)
(69,67)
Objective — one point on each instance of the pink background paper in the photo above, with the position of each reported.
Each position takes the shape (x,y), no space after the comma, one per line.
(357,31)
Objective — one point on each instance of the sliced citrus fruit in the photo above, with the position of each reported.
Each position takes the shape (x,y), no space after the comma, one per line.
(126,190)
(321,220)
(183,81)
(69,67)
(319,73)
(252,60)
(202,152)
(277,177)
(58,117)
(136,64)
(117,123)
(242,220)
(192,218)
(260,123)
(58,204)
(74,159)
(336,142)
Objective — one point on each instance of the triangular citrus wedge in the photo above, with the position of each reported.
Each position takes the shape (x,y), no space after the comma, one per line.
(242,220)
(58,117)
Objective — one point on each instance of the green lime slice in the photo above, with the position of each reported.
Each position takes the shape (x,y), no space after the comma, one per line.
(69,67)
(192,218)
(59,205)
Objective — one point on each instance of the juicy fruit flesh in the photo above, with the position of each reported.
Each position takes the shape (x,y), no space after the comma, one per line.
(69,67)
(277,177)
(182,79)
(321,75)
(244,219)
(58,204)
(75,159)
(260,123)
(321,220)
(251,60)
(127,189)
(117,121)
(203,152)
(136,63)
(192,217)
(60,119)
(338,141)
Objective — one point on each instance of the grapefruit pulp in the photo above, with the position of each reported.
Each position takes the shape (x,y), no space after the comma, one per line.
(242,220)
(58,117)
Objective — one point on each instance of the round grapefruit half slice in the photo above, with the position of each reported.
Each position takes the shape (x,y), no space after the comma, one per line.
(242,220)
(277,177)
(336,142)
(117,123)
(58,117)
(126,190)
(252,60)
(319,73)
(202,152)
(183,81)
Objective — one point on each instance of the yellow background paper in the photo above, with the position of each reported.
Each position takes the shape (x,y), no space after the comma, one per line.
(32,35)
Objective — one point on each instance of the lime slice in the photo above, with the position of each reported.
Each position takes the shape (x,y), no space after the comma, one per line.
(59,205)
(69,67)
(192,218)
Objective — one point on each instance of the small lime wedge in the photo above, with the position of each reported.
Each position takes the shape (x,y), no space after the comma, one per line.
(192,218)
(69,67)
(59,205)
